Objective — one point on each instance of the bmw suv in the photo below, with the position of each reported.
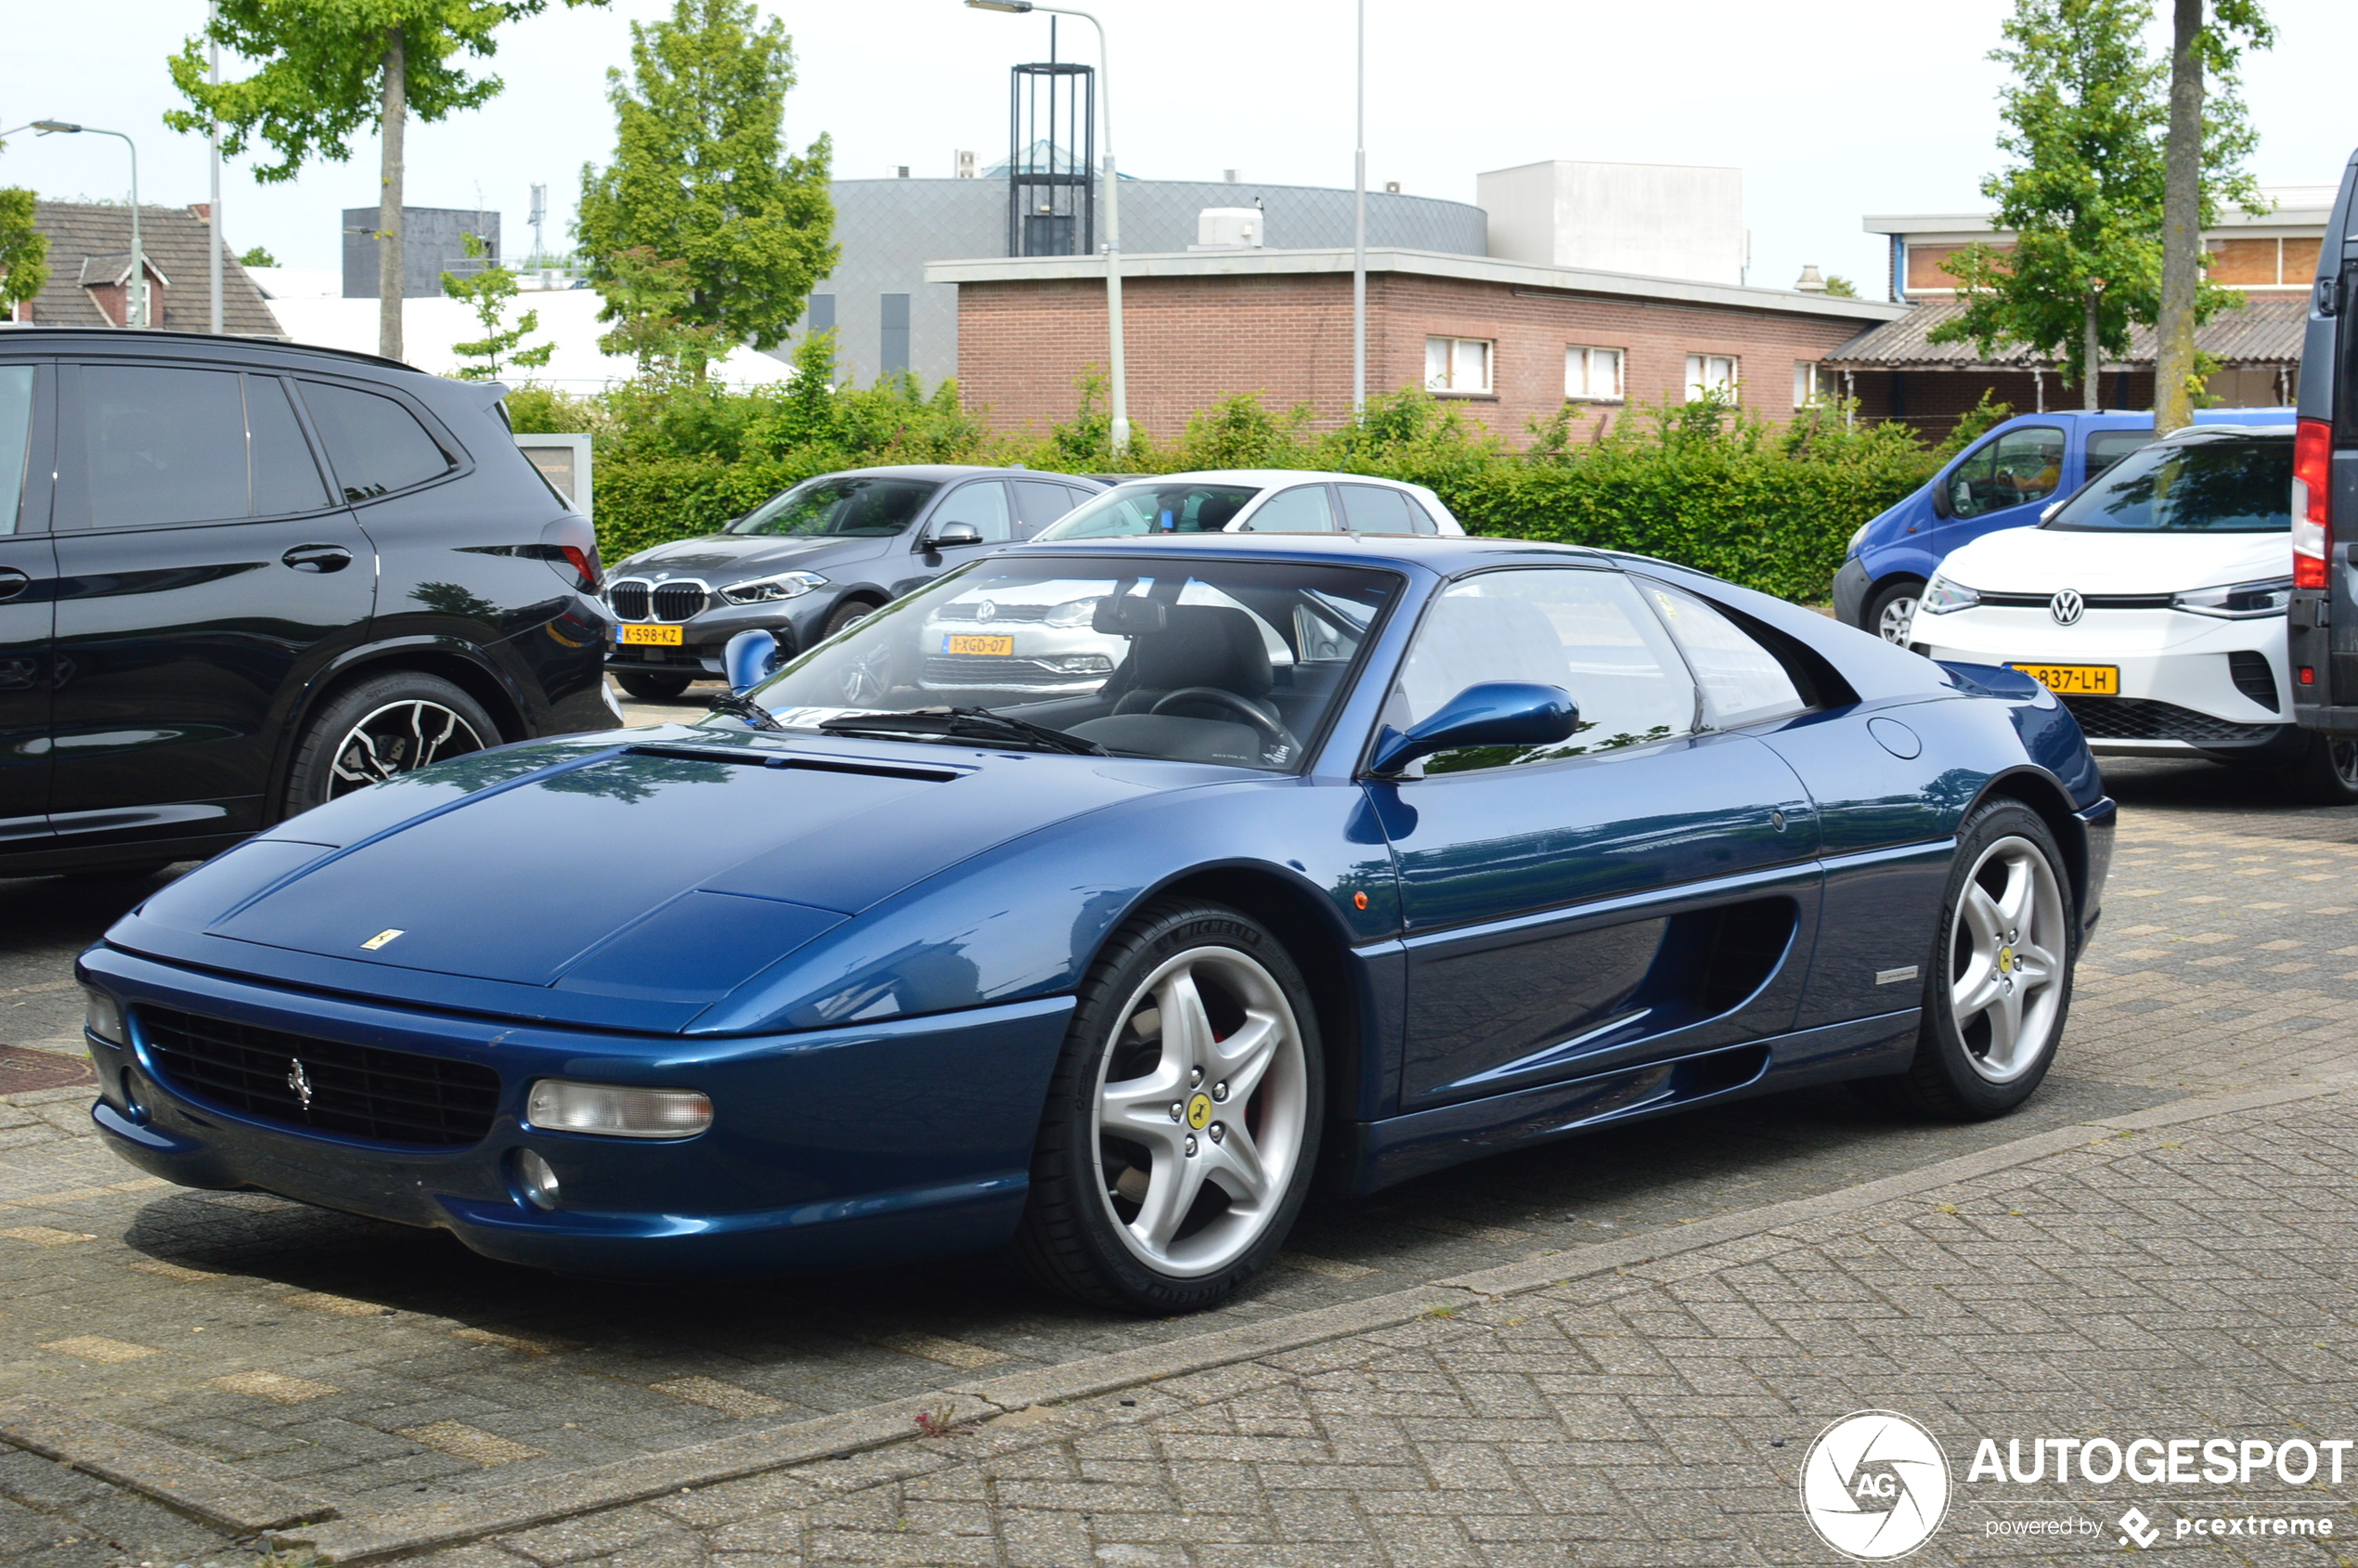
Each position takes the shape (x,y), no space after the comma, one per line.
(238,578)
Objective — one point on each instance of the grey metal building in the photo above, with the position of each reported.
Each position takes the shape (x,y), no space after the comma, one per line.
(888,318)
(434,240)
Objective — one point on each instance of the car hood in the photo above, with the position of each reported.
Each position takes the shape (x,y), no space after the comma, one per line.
(2049,559)
(623,881)
(731,557)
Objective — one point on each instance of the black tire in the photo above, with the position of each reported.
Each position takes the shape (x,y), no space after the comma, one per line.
(851,612)
(2327,773)
(652,688)
(1951,1078)
(1071,1238)
(400,711)
(1896,600)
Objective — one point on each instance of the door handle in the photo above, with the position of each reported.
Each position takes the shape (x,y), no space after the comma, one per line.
(318,558)
(12,582)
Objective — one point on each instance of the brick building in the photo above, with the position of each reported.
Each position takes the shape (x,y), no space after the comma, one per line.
(90,271)
(1510,340)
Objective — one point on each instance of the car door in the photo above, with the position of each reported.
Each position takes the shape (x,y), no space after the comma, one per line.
(28,600)
(1647,887)
(203,565)
(1992,486)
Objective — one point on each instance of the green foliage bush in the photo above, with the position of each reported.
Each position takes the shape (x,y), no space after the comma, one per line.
(1703,484)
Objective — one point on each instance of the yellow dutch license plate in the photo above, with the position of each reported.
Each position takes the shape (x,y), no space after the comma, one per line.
(2076,680)
(655,636)
(990,647)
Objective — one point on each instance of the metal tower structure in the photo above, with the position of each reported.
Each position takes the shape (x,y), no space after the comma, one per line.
(1051,153)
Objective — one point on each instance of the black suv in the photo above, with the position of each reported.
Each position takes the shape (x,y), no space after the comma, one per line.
(238,578)
(812,560)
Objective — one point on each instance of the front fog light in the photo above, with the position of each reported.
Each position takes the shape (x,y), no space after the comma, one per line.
(610,1110)
(102,1015)
(538,1182)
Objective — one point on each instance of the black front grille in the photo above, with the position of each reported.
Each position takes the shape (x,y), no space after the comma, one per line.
(390,1096)
(2091,600)
(986,669)
(971,614)
(2142,718)
(2253,678)
(679,602)
(629,601)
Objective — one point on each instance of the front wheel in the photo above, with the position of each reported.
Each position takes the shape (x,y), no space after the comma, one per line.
(380,728)
(2000,984)
(1891,610)
(1182,1121)
(2327,773)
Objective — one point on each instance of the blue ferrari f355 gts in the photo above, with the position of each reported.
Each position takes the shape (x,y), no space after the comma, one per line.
(1089,900)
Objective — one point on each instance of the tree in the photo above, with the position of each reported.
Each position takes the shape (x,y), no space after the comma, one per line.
(330,71)
(488,292)
(698,179)
(25,251)
(2194,49)
(1841,288)
(258,256)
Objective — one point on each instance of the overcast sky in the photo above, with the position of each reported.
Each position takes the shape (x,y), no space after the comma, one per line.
(1834,109)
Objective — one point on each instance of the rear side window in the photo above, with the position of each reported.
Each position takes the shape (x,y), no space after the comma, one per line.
(1372,509)
(2107,447)
(160,445)
(16,439)
(1038,503)
(1742,682)
(374,444)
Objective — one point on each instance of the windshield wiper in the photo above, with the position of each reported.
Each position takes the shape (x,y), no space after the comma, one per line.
(965,723)
(738,706)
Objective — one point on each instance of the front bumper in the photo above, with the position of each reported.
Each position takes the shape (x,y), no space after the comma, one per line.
(796,623)
(1850,593)
(828,1150)
(2178,692)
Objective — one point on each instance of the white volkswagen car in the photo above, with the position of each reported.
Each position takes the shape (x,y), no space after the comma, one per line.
(1255,501)
(2152,602)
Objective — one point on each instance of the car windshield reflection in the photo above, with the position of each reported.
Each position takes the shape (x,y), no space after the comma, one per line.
(1225,661)
(839,507)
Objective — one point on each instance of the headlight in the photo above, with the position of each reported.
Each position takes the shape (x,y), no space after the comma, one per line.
(1941,596)
(2238,601)
(1858,538)
(613,1111)
(761,591)
(1076,612)
(102,1015)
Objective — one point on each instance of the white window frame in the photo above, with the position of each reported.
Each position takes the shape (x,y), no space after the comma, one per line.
(1446,370)
(1714,372)
(1581,365)
(1808,384)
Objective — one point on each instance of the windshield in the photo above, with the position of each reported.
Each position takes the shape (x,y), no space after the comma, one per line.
(2233,487)
(1197,661)
(839,505)
(1154,509)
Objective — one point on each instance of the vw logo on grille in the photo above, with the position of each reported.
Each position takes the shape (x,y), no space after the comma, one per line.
(2067,608)
(986,611)
(300,1082)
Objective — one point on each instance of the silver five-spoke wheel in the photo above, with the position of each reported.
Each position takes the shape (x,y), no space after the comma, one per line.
(1897,615)
(2006,945)
(399,737)
(1202,1101)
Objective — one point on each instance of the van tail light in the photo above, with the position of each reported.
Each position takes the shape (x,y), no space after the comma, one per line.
(2313,526)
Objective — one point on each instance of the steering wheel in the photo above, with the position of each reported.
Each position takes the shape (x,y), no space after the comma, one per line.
(1270,729)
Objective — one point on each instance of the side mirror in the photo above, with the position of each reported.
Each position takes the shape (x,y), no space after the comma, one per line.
(749,659)
(1494,713)
(952,535)
(1940,507)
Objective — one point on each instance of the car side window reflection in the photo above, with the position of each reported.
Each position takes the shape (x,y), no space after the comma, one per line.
(1585,630)
(982,506)
(1742,682)
(2018,467)
(376,444)
(1301,509)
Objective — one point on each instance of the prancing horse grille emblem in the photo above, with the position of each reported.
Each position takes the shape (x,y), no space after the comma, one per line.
(300,1082)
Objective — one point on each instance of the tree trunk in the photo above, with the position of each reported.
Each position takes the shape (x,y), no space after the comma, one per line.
(390,115)
(2180,225)
(2092,353)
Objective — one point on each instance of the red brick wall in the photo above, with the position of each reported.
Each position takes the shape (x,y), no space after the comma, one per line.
(1023,346)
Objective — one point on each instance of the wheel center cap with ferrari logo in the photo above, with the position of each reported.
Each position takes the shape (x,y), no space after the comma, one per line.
(2067,608)
(1199,1111)
(2005,961)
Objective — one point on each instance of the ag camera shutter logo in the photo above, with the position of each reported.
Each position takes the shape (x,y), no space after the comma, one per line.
(1875,1486)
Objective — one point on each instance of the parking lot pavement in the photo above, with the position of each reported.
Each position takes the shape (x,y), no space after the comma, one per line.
(387,1370)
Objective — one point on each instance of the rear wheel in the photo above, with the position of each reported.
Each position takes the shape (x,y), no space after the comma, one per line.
(1182,1121)
(2327,773)
(380,729)
(1892,609)
(652,688)
(2000,986)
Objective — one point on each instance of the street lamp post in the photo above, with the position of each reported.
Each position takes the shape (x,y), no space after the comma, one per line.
(1359,236)
(212,207)
(1113,206)
(134,311)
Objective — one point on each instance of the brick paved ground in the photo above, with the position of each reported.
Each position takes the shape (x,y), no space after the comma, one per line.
(403,1365)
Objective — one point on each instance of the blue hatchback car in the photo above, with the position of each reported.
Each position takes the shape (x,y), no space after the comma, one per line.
(1349,853)
(2008,479)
